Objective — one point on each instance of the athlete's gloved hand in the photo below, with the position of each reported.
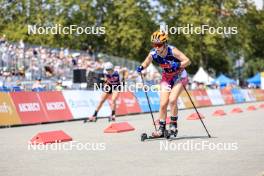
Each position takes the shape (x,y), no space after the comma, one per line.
(175,65)
(140,68)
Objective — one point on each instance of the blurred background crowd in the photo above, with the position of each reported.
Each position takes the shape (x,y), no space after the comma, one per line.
(37,68)
(27,66)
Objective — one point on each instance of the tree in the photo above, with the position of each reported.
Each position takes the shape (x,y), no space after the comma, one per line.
(215,51)
(129,26)
(255,55)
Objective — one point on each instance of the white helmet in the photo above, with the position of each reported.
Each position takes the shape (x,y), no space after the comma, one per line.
(108,66)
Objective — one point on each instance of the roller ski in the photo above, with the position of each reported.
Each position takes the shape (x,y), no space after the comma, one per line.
(160,133)
(90,119)
(111,118)
(173,131)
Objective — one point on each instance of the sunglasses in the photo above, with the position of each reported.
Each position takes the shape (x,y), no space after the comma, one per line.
(157,45)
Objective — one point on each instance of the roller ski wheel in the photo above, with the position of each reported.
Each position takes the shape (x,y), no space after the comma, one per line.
(111,118)
(92,119)
(160,133)
(144,136)
(173,133)
(165,135)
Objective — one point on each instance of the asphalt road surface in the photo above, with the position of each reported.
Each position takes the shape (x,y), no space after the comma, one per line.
(236,147)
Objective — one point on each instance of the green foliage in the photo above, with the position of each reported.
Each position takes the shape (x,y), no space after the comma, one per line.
(129,24)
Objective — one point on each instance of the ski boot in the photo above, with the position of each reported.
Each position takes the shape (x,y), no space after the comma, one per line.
(161,132)
(173,131)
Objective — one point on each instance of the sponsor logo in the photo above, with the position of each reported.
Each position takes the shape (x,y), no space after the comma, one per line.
(130,102)
(201,98)
(54,106)
(29,107)
(79,103)
(4,108)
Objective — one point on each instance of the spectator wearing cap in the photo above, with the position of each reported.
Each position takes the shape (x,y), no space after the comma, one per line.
(59,86)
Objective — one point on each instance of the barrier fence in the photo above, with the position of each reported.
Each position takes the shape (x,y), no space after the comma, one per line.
(22,108)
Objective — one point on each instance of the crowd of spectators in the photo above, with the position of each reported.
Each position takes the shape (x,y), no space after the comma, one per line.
(36,67)
(21,63)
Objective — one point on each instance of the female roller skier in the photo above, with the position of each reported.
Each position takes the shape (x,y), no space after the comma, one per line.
(112,87)
(174,76)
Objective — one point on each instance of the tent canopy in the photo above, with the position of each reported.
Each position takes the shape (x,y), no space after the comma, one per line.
(223,80)
(255,79)
(202,76)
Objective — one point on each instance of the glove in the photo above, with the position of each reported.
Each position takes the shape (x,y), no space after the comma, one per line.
(175,65)
(140,68)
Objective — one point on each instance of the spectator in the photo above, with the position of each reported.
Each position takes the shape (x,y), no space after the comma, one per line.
(59,86)
(27,62)
(3,39)
(38,84)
